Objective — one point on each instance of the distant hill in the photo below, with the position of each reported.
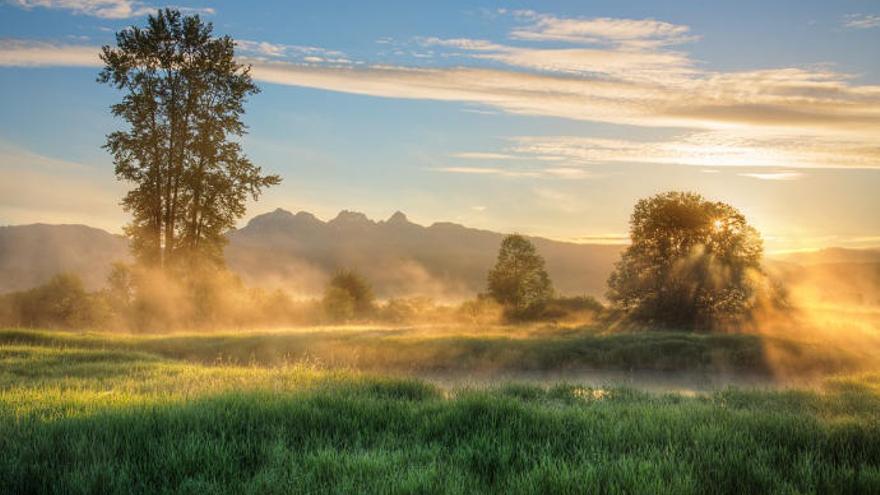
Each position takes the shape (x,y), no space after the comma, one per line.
(31,254)
(444,260)
(299,252)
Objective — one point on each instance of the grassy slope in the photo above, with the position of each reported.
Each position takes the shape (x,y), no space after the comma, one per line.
(86,414)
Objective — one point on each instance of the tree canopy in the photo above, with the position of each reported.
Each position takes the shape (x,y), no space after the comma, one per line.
(692,264)
(519,281)
(183,99)
(348,296)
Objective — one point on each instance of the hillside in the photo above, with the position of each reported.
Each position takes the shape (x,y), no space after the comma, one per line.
(31,254)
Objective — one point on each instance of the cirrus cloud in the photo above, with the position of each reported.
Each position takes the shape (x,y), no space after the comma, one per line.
(105,9)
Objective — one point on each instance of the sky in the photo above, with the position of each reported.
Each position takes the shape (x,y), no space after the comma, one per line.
(547,118)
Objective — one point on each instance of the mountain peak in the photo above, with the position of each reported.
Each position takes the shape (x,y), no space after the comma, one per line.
(280,212)
(306,217)
(350,217)
(277,216)
(398,218)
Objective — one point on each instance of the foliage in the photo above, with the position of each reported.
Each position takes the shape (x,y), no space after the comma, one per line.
(62,302)
(519,281)
(183,99)
(693,264)
(348,296)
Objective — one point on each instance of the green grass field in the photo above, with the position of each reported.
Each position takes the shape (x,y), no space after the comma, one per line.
(316,411)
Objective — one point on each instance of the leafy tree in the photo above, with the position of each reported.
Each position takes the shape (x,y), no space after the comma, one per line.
(519,281)
(183,100)
(692,264)
(348,296)
(60,302)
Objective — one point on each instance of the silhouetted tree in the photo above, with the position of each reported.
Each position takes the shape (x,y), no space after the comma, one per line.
(348,296)
(519,281)
(692,264)
(183,101)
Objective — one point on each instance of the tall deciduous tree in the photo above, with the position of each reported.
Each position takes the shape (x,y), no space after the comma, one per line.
(519,281)
(692,264)
(184,96)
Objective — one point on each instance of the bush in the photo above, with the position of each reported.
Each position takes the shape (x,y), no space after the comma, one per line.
(62,302)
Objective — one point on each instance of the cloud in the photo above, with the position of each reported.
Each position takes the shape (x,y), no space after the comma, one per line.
(460,43)
(25,53)
(861,21)
(263,51)
(633,33)
(707,149)
(105,9)
(788,117)
(788,100)
(568,173)
(486,171)
(545,173)
(486,156)
(773,175)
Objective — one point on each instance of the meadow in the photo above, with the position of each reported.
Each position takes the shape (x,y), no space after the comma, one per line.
(356,410)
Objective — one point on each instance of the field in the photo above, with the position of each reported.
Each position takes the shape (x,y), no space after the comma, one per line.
(435,410)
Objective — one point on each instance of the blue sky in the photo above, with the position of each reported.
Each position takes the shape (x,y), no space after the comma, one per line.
(548,118)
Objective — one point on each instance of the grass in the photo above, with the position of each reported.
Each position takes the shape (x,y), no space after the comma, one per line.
(101,413)
(466,349)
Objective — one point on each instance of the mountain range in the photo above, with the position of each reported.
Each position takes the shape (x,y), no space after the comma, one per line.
(299,252)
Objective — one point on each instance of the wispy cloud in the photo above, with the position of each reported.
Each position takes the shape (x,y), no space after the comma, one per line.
(264,51)
(789,117)
(105,9)
(861,21)
(787,99)
(26,53)
(707,149)
(773,175)
(487,171)
(632,33)
(545,173)
(460,43)
(486,156)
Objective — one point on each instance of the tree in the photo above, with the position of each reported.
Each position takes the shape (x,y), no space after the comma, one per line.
(519,281)
(692,264)
(348,296)
(60,302)
(184,97)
